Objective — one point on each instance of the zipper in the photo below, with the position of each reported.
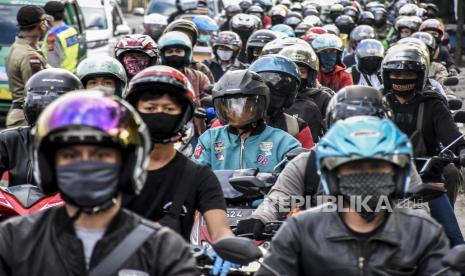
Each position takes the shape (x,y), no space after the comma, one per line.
(361,264)
(241,154)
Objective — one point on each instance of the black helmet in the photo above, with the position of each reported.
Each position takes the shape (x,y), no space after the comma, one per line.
(360,33)
(310,10)
(90,117)
(366,18)
(258,40)
(345,24)
(44,87)
(369,55)
(352,12)
(335,11)
(380,15)
(256,10)
(405,57)
(242,96)
(232,10)
(429,40)
(245,5)
(356,100)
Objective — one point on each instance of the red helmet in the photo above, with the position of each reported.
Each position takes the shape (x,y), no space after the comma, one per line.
(137,43)
(313,33)
(433,25)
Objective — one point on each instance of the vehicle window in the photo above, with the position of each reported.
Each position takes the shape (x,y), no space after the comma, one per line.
(117,20)
(71,17)
(95,18)
(166,7)
(80,18)
(8,27)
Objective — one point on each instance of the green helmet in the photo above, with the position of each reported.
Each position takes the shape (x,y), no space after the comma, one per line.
(103,67)
(301,55)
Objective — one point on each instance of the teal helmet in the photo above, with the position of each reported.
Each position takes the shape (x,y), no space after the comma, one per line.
(359,138)
(285,29)
(175,39)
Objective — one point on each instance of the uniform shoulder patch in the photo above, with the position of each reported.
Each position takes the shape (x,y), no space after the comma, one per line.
(34,61)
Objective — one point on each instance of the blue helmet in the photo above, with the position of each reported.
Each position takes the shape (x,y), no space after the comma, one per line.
(205,23)
(285,29)
(175,39)
(327,41)
(282,76)
(363,137)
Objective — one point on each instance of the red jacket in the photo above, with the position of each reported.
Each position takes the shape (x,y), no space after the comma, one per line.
(337,79)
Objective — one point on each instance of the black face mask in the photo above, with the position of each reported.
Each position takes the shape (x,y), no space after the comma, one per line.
(304,83)
(176,62)
(404,88)
(88,184)
(369,65)
(162,126)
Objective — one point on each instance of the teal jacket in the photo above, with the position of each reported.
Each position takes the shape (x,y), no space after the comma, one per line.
(221,148)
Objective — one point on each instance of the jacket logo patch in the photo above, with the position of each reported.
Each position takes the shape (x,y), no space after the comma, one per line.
(70,41)
(219,156)
(219,146)
(198,151)
(262,159)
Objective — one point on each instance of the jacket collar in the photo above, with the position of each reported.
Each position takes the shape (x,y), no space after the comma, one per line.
(388,234)
(256,131)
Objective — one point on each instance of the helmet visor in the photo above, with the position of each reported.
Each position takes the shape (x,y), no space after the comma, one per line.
(280,84)
(240,111)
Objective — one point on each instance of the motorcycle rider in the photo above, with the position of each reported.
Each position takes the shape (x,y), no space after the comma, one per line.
(345,24)
(244,25)
(230,11)
(360,158)
(80,142)
(357,35)
(207,28)
(404,27)
(241,99)
(136,52)
(154,25)
(282,77)
(226,48)
(332,72)
(190,29)
(307,61)
(368,57)
(15,151)
(105,73)
(256,42)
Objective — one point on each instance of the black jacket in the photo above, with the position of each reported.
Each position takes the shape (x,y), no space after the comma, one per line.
(446,58)
(317,242)
(217,70)
(438,124)
(304,108)
(14,155)
(45,244)
(320,95)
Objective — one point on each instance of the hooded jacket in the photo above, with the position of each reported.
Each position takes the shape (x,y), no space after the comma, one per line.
(337,79)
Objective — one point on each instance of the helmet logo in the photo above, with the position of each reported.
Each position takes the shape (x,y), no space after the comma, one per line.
(365,133)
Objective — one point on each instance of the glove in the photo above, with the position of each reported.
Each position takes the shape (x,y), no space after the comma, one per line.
(220,267)
(254,226)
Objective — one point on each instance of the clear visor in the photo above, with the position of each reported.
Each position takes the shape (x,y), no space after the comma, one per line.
(240,111)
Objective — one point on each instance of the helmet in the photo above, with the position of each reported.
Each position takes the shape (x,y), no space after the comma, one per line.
(363,138)
(380,15)
(366,18)
(243,23)
(103,67)
(205,23)
(258,40)
(369,55)
(311,10)
(302,29)
(279,43)
(292,22)
(335,11)
(227,39)
(44,87)
(433,25)
(294,14)
(256,10)
(286,3)
(305,56)
(429,41)
(405,58)
(374,5)
(137,43)
(327,41)
(313,20)
(345,24)
(408,10)
(185,26)
(416,43)
(282,77)
(332,29)
(313,33)
(232,10)
(352,12)
(356,100)
(91,117)
(360,33)
(154,25)
(431,10)
(297,7)
(407,22)
(175,39)
(241,94)
(164,79)
(278,14)
(261,3)
(285,29)
(245,5)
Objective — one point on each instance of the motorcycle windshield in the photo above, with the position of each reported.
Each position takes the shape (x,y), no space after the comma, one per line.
(26,194)
(228,191)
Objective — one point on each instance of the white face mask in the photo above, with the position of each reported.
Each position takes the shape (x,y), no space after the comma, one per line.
(224,55)
(105,89)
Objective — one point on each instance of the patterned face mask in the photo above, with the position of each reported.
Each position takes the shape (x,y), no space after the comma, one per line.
(135,65)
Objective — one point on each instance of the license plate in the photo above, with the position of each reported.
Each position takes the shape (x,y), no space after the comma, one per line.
(237,214)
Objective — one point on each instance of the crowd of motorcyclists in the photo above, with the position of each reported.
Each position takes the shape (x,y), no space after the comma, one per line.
(358,86)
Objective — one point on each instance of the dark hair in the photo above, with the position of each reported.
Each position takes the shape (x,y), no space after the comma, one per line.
(149,95)
(58,16)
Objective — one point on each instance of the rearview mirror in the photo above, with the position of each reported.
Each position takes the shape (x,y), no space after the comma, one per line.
(451,81)
(237,250)
(459,116)
(455,259)
(249,185)
(425,192)
(122,30)
(454,104)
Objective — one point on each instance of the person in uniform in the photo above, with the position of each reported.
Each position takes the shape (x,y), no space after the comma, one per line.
(25,58)
(61,44)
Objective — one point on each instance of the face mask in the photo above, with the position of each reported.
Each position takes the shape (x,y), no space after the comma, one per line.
(404,88)
(161,126)
(105,89)
(134,66)
(88,184)
(175,62)
(372,185)
(369,65)
(303,84)
(328,61)
(205,39)
(224,55)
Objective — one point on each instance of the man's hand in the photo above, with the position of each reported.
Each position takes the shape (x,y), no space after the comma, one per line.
(452,72)
(251,226)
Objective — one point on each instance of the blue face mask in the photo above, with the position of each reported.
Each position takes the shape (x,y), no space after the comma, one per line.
(328,60)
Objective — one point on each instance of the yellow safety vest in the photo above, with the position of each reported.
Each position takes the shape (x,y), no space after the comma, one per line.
(69,41)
